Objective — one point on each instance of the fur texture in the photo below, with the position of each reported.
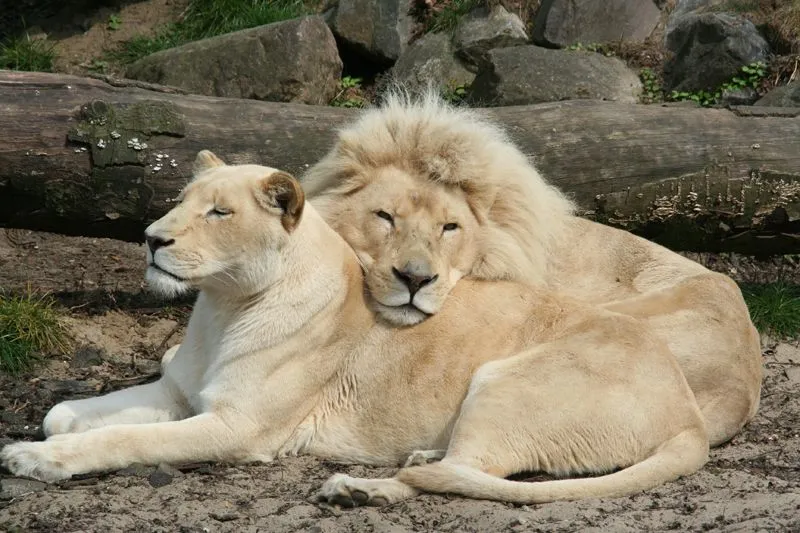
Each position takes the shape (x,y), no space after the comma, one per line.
(410,150)
(283,356)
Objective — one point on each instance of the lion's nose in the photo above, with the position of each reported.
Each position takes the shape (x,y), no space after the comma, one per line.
(154,243)
(414,278)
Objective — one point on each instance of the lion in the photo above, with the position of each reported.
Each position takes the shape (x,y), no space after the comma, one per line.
(284,355)
(410,151)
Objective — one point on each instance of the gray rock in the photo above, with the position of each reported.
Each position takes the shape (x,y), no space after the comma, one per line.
(430,60)
(683,8)
(86,356)
(380,29)
(531,74)
(136,470)
(784,96)
(483,30)
(710,49)
(564,22)
(15,487)
(292,61)
(744,96)
(160,478)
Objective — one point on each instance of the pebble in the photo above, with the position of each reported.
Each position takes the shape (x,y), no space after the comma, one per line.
(15,487)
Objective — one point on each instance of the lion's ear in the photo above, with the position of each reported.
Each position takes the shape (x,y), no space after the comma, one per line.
(205,160)
(282,191)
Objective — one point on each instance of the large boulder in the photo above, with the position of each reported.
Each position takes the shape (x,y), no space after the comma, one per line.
(379,29)
(783,96)
(560,23)
(431,60)
(531,74)
(709,49)
(291,61)
(483,30)
(683,8)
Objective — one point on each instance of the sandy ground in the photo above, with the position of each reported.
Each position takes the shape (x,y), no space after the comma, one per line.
(120,332)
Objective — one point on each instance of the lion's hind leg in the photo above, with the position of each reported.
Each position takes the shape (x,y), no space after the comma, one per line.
(551,409)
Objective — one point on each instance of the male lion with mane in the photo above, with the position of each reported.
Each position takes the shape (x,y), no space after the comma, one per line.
(397,159)
(283,355)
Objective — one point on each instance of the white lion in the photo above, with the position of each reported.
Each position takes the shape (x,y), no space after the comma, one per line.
(414,151)
(283,355)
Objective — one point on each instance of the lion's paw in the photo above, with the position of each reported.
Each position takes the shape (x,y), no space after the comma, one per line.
(423,457)
(61,419)
(348,491)
(39,460)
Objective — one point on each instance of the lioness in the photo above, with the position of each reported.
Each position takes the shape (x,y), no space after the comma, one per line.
(409,152)
(283,355)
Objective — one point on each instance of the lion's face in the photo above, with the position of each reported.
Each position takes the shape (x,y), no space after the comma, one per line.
(226,232)
(414,239)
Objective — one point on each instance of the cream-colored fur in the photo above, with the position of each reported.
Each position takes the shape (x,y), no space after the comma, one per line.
(284,356)
(526,231)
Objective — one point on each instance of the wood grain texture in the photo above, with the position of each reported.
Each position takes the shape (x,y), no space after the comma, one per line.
(83,156)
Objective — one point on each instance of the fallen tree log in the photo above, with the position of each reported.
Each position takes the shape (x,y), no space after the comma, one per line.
(88,157)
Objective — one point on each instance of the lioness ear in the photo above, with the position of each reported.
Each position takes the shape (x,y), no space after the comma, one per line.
(205,160)
(282,191)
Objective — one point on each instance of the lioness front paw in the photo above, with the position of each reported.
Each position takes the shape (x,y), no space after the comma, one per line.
(39,460)
(348,491)
(60,419)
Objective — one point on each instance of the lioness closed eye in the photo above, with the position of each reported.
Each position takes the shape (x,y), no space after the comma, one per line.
(283,355)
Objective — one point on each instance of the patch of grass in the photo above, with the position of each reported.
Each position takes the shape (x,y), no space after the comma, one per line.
(652,91)
(443,15)
(24,53)
(774,307)
(750,76)
(29,325)
(114,22)
(350,93)
(209,18)
(455,93)
(590,47)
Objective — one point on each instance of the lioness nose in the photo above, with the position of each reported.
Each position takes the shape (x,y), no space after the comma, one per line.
(414,280)
(154,243)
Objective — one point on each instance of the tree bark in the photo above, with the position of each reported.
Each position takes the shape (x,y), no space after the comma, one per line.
(82,156)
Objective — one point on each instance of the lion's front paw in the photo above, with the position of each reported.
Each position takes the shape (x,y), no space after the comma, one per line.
(349,491)
(39,460)
(60,419)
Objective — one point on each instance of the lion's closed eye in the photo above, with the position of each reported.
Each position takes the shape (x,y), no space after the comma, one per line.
(219,212)
(385,216)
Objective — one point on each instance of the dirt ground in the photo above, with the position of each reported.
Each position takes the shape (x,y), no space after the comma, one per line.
(120,332)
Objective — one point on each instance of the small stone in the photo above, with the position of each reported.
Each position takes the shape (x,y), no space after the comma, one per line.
(136,470)
(169,469)
(743,96)
(86,356)
(224,517)
(15,487)
(160,478)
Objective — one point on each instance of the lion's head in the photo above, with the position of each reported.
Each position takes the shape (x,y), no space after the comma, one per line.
(426,193)
(226,216)
(414,240)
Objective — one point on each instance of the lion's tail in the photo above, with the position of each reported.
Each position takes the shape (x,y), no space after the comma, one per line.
(681,455)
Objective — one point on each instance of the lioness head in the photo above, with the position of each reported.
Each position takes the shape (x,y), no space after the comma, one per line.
(227,230)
